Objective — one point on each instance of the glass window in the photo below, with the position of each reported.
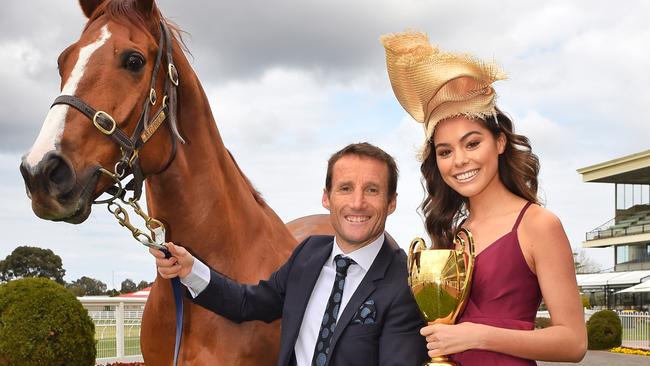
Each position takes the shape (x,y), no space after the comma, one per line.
(635,253)
(622,254)
(628,195)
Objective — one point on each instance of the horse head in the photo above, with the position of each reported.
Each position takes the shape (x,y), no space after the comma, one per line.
(118,84)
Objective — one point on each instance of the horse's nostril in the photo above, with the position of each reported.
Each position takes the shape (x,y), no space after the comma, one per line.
(58,174)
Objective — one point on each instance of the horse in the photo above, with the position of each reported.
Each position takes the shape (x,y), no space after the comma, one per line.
(193,185)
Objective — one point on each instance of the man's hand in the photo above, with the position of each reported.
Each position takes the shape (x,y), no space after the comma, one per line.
(179,264)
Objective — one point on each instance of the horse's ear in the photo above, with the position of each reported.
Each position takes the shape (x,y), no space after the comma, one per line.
(89,6)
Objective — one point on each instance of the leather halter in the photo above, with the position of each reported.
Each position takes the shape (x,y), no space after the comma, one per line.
(129,163)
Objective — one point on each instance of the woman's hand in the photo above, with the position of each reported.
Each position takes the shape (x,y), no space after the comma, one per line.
(444,339)
(179,264)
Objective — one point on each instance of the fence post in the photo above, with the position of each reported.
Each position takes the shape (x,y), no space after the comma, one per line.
(119,329)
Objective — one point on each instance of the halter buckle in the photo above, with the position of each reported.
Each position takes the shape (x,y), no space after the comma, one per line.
(152,96)
(173,74)
(100,127)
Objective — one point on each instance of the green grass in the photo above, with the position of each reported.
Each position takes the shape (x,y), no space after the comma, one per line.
(633,334)
(107,345)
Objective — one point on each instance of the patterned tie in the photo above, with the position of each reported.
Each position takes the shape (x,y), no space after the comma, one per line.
(331,312)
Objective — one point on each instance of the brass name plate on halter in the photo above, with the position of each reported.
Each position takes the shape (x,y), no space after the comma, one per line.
(153,126)
(440,280)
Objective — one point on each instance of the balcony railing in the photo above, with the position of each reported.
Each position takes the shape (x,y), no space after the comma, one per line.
(612,231)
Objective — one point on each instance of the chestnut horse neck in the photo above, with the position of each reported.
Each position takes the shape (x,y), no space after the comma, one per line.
(204,199)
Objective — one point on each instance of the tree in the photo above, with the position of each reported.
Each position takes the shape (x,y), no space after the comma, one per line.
(143,284)
(28,261)
(86,286)
(128,286)
(112,292)
(583,263)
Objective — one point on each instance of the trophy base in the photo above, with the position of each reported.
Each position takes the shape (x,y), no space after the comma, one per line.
(441,361)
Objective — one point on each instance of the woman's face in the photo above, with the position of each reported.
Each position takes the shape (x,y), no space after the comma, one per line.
(467,155)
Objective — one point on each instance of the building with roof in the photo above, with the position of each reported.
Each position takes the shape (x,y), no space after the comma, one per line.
(627,233)
(625,290)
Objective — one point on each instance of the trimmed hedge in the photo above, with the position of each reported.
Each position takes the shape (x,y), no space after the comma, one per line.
(604,330)
(541,322)
(43,324)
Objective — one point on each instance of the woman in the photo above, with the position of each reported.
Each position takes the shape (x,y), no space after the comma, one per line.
(481,176)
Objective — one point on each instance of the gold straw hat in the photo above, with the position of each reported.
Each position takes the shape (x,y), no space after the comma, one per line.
(432,85)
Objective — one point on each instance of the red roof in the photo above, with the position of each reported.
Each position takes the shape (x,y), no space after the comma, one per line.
(142,294)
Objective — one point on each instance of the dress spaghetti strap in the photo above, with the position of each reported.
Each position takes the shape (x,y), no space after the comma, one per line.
(521,215)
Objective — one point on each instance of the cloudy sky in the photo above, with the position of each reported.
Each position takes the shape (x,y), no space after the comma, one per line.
(290,82)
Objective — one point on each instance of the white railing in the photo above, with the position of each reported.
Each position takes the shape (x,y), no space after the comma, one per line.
(636,329)
(117,331)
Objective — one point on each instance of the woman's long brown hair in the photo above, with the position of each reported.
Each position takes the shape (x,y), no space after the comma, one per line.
(444,208)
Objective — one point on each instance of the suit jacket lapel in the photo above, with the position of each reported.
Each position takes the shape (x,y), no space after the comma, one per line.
(366,287)
(309,270)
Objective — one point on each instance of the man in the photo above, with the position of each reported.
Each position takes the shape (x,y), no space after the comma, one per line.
(343,301)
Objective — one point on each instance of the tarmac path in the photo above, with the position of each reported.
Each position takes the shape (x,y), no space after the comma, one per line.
(604,358)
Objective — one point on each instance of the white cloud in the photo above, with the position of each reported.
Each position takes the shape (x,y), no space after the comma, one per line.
(546,136)
(282,106)
(21,65)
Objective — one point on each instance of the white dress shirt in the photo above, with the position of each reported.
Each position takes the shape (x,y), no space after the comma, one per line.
(199,278)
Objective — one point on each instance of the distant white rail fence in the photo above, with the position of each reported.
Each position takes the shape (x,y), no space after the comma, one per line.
(117,327)
(636,329)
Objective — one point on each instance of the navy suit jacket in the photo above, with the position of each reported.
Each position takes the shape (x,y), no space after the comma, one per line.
(393,338)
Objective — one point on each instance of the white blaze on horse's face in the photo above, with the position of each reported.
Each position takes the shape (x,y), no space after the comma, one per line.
(52,130)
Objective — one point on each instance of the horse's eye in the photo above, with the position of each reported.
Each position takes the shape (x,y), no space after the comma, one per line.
(134,62)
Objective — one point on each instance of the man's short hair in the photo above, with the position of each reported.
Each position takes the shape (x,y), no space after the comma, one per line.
(364,149)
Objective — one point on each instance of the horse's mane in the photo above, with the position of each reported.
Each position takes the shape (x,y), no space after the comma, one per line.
(126,11)
(256,194)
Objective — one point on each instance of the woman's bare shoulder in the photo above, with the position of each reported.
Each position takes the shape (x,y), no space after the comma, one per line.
(541,229)
(540,219)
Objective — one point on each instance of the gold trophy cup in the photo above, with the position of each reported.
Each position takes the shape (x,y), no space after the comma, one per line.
(440,280)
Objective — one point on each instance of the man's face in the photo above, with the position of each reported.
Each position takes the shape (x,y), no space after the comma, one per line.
(358,200)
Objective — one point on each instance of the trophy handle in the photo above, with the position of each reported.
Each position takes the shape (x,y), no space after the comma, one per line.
(417,245)
(458,239)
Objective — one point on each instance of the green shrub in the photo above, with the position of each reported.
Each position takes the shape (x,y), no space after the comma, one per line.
(585,301)
(43,324)
(542,323)
(604,330)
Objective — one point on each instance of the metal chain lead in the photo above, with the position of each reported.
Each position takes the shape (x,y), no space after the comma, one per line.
(154,226)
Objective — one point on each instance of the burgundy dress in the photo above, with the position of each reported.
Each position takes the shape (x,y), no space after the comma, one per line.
(504,294)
